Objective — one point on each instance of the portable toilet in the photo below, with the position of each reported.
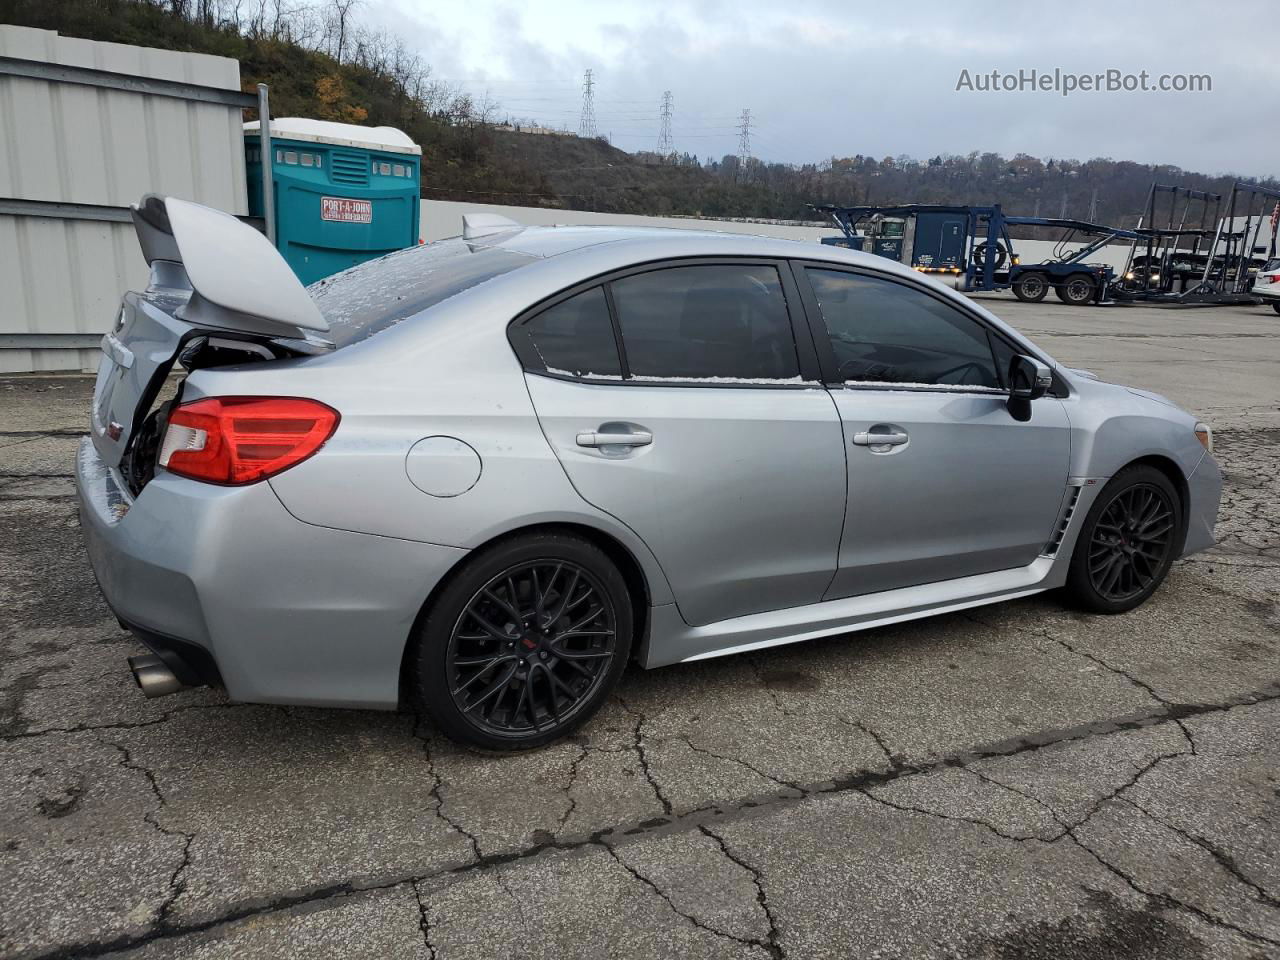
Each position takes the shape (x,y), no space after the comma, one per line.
(343,193)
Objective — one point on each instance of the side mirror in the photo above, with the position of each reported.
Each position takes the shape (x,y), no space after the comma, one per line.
(1029,379)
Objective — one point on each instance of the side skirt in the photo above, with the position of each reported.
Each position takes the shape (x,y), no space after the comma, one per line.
(674,641)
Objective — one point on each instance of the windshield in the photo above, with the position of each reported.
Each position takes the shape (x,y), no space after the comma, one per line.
(376,295)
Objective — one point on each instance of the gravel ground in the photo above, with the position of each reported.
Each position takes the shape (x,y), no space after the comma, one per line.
(1015,781)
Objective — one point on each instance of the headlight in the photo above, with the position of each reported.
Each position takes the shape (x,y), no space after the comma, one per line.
(1205,435)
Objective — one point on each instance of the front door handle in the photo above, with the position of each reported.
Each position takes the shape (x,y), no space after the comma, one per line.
(594,438)
(879,439)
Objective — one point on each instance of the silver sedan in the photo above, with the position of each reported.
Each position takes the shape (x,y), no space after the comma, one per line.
(483,475)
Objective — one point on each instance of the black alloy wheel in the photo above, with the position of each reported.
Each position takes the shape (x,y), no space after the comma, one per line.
(530,647)
(1128,542)
(525,642)
(1131,542)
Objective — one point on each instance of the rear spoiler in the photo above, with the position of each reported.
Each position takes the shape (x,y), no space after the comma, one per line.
(238,279)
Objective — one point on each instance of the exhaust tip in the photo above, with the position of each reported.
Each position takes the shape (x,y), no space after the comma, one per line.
(154,677)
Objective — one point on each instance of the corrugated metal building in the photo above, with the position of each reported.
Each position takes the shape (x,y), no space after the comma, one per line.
(86,128)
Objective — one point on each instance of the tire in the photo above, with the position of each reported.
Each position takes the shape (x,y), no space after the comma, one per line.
(980,254)
(1137,556)
(498,681)
(1276,306)
(1031,287)
(1076,290)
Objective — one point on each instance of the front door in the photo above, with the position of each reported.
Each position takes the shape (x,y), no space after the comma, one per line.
(700,433)
(943,481)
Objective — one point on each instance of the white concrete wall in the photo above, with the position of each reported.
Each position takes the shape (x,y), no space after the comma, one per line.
(72,143)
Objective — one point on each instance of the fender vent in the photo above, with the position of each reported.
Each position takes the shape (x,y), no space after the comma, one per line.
(350,168)
(1064,521)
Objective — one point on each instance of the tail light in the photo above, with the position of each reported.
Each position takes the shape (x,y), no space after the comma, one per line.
(239,440)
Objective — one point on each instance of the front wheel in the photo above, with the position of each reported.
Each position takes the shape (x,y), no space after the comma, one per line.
(525,642)
(1127,543)
(1276,306)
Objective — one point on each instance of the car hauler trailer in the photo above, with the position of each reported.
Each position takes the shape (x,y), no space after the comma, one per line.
(1214,262)
(972,245)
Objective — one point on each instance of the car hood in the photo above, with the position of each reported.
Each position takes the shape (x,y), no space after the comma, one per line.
(1149,395)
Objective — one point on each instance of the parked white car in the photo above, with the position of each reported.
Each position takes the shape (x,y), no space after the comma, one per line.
(1267,284)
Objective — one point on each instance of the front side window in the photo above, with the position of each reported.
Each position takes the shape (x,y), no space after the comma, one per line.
(575,337)
(889,333)
(706,322)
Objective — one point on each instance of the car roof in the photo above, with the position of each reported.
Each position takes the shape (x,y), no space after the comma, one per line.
(643,243)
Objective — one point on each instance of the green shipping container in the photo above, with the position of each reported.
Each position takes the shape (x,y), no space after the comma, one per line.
(344,194)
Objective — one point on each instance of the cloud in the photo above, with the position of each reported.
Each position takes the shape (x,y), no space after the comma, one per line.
(830,78)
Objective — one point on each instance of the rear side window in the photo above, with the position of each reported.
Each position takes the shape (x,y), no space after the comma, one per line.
(575,337)
(887,332)
(706,322)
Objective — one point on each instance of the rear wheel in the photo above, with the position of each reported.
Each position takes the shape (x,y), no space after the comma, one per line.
(1031,287)
(525,642)
(1276,306)
(1076,290)
(1127,543)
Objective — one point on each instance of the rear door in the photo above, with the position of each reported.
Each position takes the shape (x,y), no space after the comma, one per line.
(679,400)
(943,481)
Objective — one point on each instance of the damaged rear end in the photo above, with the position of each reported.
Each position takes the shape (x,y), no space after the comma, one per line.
(218,295)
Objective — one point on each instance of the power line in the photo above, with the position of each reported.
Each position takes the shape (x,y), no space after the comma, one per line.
(744,145)
(665,148)
(587,124)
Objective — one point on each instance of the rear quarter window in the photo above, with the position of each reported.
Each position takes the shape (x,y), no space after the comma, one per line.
(373,296)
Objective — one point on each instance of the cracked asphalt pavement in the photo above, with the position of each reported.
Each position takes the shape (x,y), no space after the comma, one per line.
(1017,781)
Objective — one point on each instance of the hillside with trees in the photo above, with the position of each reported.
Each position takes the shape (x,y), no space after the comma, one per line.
(321,62)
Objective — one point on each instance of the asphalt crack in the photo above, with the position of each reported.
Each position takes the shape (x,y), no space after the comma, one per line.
(790,785)
(424,921)
(1224,859)
(128,724)
(1110,667)
(437,782)
(858,780)
(666,898)
(568,787)
(774,943)
(639,748)
(176,882)
(957,818)
(1166,900)
(892,758)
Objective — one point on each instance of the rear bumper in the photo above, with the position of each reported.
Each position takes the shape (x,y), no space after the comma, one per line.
(287,612)
(1205,489)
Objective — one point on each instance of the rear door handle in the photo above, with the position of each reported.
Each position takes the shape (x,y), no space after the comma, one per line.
(879,439)
(594,438)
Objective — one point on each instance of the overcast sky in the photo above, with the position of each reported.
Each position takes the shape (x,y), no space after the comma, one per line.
(839,78)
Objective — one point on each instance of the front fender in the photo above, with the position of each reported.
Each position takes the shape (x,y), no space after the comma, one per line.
(1112,427)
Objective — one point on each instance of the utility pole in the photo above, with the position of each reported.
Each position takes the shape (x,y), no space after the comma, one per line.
(1062,211)
(1037,210)
(1093,207)
(744,145)
(665,147)
(587,125)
